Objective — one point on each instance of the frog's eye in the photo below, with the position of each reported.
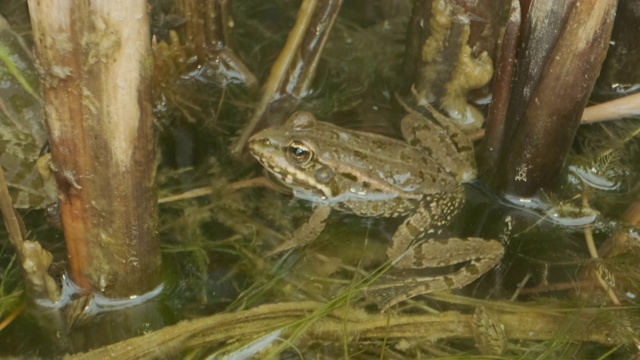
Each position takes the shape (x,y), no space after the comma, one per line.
(299,153)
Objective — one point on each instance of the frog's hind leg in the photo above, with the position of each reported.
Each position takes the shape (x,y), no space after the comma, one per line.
(480,256)
(427,223)
(475,256)
(434,133)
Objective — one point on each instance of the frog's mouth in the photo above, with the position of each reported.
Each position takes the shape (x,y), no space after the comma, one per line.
(294,178)
(295,188)
(303,185)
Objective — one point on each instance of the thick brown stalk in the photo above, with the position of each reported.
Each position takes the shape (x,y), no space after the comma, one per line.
(207,23)
(564,45)
(417,33)
(94,61)
(207,31)
(501,92)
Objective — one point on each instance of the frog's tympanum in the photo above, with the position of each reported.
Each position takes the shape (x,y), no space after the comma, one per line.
(376,176)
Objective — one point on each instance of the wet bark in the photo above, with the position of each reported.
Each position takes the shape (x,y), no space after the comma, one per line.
(95,68)
(564,45)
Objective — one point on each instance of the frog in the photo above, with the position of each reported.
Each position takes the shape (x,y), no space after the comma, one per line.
(419,177)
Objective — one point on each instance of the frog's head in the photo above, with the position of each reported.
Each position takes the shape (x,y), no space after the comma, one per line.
(289,153)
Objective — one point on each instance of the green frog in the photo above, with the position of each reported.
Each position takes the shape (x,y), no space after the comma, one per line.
(372,175)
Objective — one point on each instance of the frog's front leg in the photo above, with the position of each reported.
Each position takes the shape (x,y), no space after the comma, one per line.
(307,232)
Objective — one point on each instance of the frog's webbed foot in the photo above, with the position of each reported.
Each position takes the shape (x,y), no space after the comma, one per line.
(488,332)
(478,254)
(307,232)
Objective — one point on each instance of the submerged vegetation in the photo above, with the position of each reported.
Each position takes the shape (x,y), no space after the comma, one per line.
(554,295)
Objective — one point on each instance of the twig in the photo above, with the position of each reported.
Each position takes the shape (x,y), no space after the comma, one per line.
(588,235)
(204,191)
(627,106)
(9,319)
(34,260)
(9,215)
